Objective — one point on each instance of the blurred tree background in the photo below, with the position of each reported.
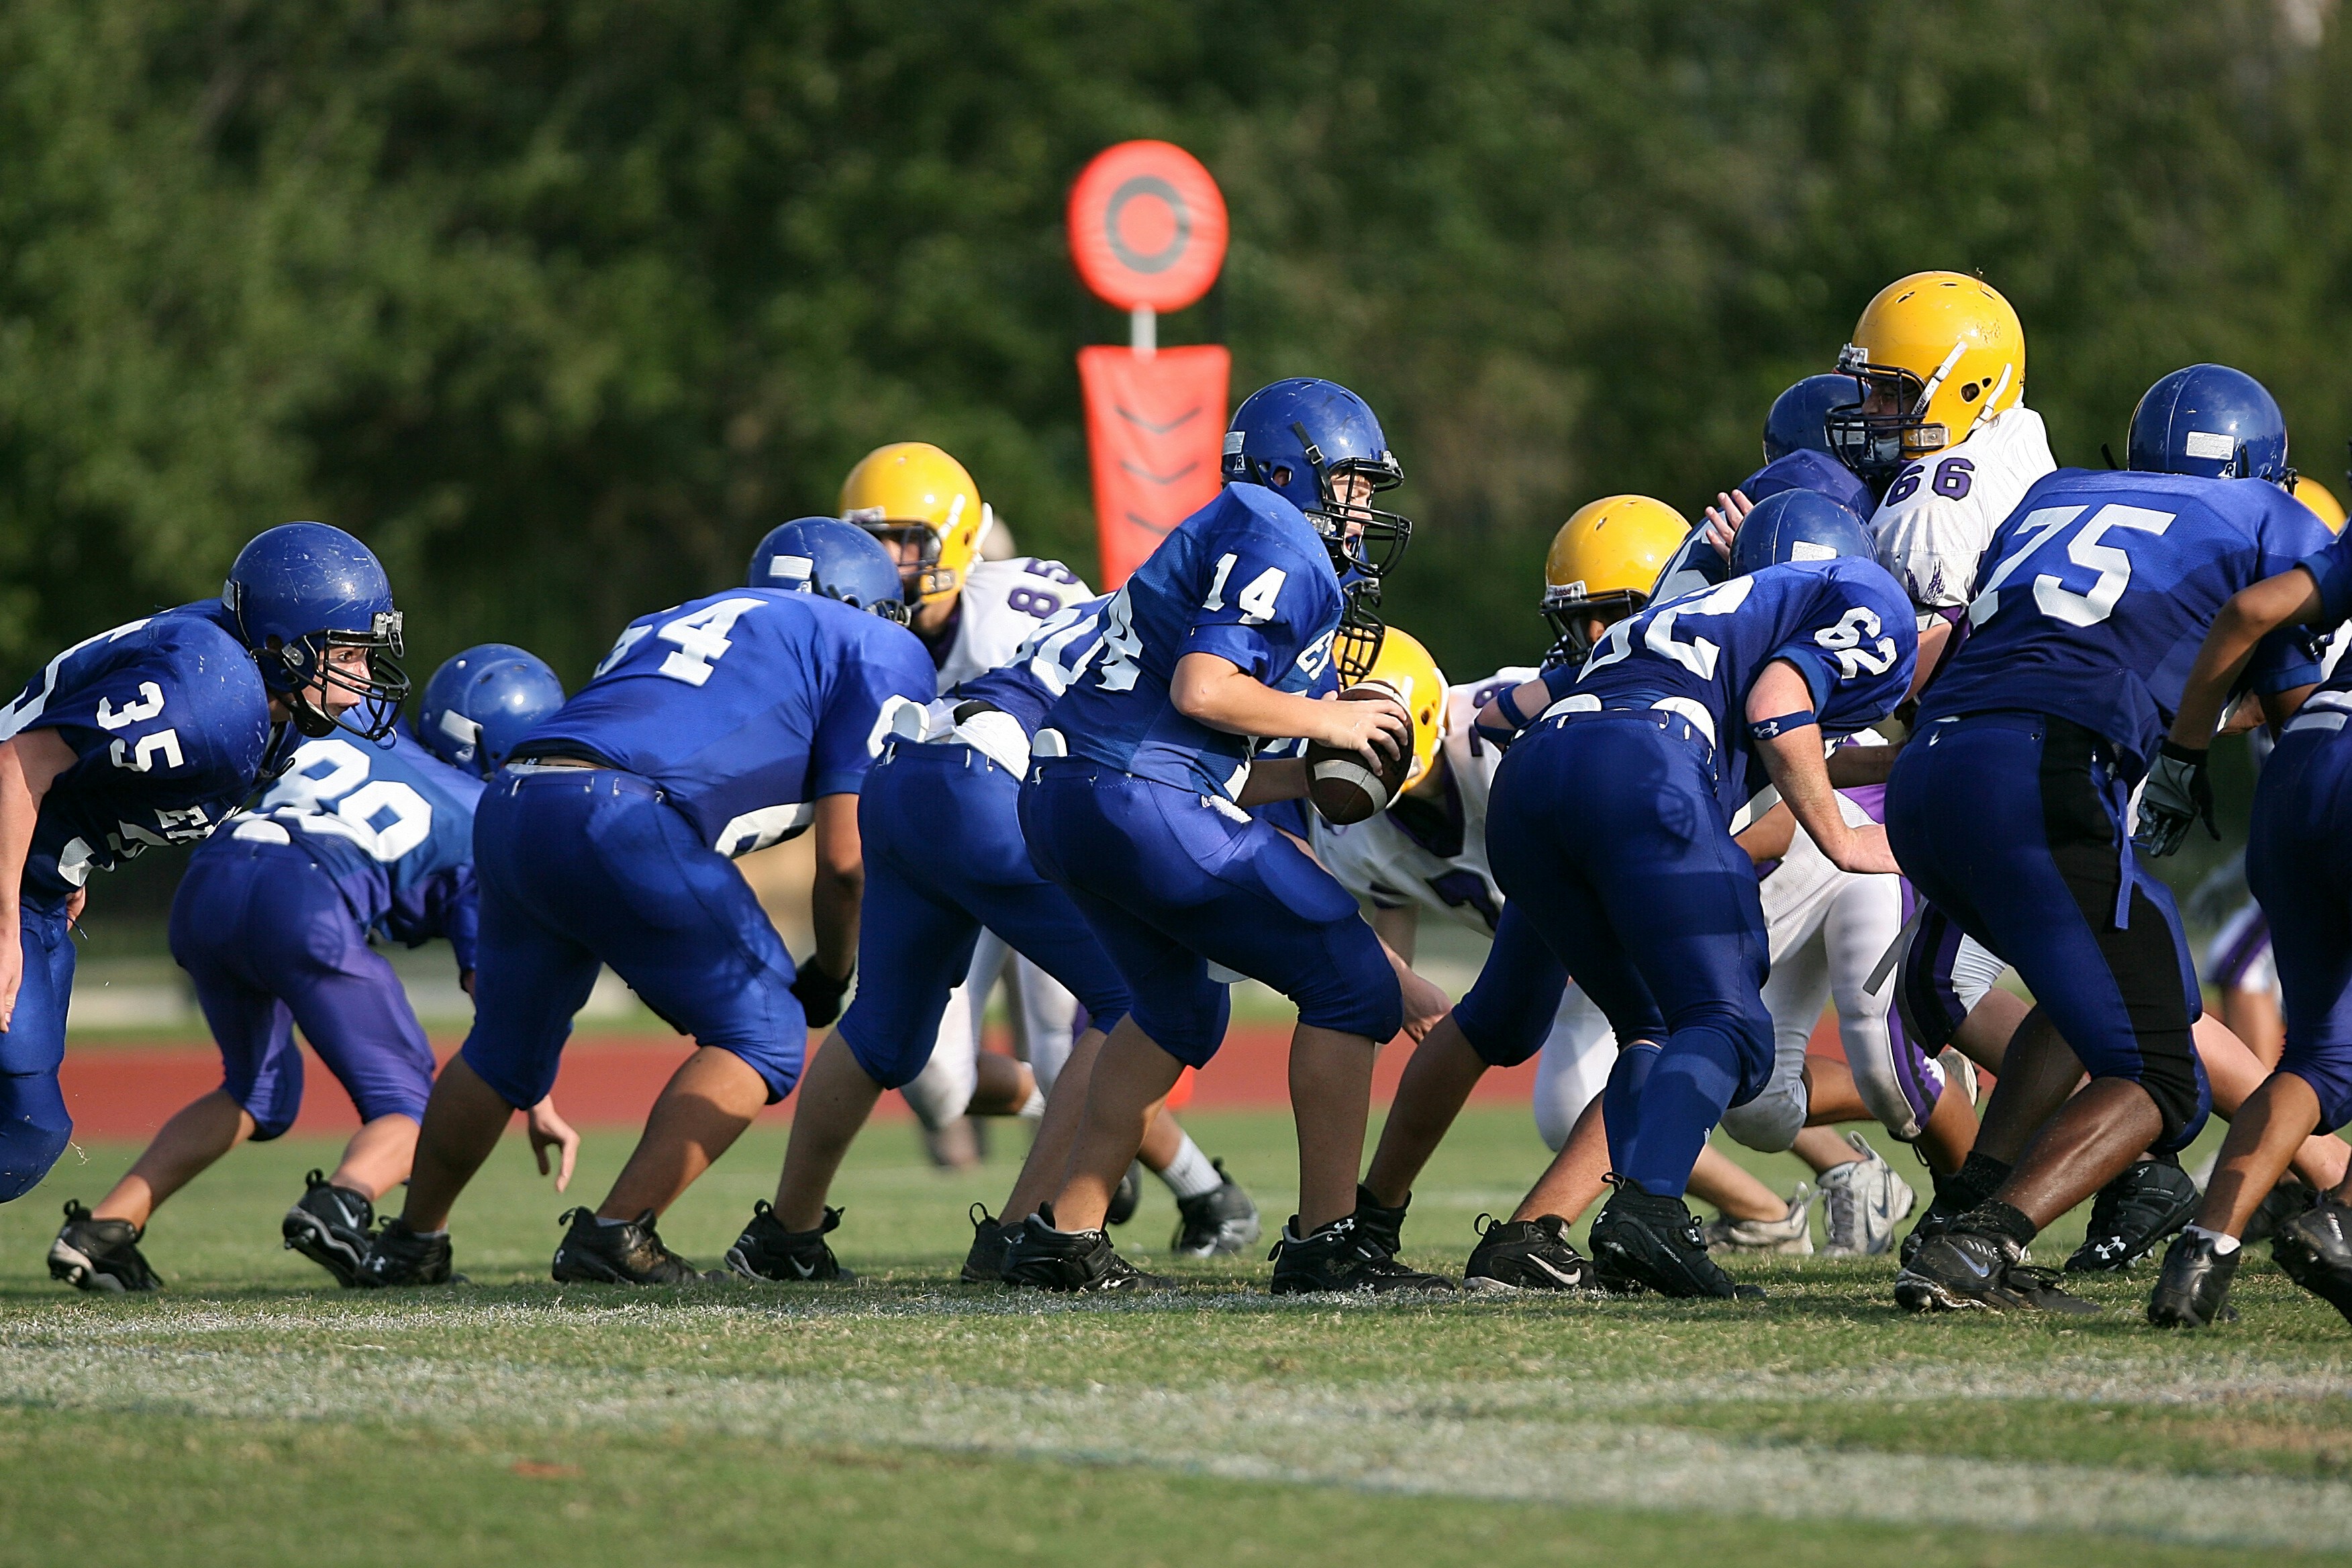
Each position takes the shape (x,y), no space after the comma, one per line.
(561,307)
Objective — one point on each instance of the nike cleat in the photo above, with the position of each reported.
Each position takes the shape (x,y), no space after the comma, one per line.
(1074,1262)
(1791,1234)
(1126,1197)
(1379,1225)
(2132,1214)
(629,1253)
(1862,1203)
(1341,1258)
(1967,1270)
(2314,1248)
(2193,1292)
(1515,1254)
(1216,1223)
(101,1255)
(331,1226)
(984,1264)
(398,1256)
(766,1250)
(1653,1242)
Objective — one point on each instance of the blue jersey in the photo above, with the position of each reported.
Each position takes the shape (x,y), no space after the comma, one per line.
(2099,589)
(1244,578)
(389,822)
(171,722)
(1843,624)
(745,707)
(1057,653)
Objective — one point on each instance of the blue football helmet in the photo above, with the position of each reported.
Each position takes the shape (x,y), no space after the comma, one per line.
(483,701)
(2211,422)
(1797,525)
(1299,437)
(1800,419)
(301,590)
(840,560)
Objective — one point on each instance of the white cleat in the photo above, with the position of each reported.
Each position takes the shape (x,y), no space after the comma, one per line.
(1863,1203)
(1791,1234)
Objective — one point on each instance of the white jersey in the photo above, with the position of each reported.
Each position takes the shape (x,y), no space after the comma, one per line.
(1003,602)
(1433,853)
(1939,514)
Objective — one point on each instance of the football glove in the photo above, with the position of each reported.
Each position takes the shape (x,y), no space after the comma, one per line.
(2178,792)
(820,994)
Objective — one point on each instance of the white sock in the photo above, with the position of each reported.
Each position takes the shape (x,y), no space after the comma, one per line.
(2224,1245)
(1033,1108)
(1190,1175)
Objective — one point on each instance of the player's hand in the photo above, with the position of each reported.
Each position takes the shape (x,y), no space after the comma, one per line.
(1865,851)
(76,902)
(1368,728)
(12,976)
(1724,517)
(2178,792)
(820,994)
(550,1131)
(1425,1005)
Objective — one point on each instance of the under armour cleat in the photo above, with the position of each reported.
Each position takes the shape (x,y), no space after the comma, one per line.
(1379,1225)
(1967,1270)
(1074,1262)
(1515,1254)
(1216,1223)
(1647,1241)
(2314,1248)
(2193,1292)
(1791,1234)
(398,1256)
(1340,1258)
(2285,1201)
(1126,1197)
(629,1253)
(101,1255)
(984,1264)
(766,1250)
(1862,1203)
(331,1226)
(2132,1214)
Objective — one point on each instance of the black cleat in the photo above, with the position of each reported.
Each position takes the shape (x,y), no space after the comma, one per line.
(331,1226)
(630,1253)
(2314,1248)
(101,1255)
(2132,1214)
(1378,1225)
(1643,1241)
(398,1256)
(984,1264)
(1341,1257)
(1216,1223)
(1076,1262)
(1126,1197)
(1952,1200)
(1515,1254)
(2193,1292)
(766,1250)
(2286,1200)
(1967,1270)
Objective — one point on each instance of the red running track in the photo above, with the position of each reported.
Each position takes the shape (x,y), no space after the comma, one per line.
(128,1089)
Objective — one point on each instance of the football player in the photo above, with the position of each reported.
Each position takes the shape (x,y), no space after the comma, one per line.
(273,923)
(712,729)
(2009,807)
(1664,737)
(2296,865)
(150,734)
(1136,802)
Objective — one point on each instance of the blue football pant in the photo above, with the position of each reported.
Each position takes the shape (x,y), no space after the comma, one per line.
(578,866)
(2012,824)
(2299,864)
(34,1126)
(945,859)
(1604,830)
(269,942)
(1172,883)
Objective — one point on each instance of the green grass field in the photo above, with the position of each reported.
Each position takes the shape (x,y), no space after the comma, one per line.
(250,1415)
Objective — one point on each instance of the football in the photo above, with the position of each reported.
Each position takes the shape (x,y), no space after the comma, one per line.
(1339,783)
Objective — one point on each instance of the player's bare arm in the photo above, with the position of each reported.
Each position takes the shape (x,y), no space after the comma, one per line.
(1217,692)
(2290,598)
(1793,759)
(29,763)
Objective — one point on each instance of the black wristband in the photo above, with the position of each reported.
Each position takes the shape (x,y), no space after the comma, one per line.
(2195,756)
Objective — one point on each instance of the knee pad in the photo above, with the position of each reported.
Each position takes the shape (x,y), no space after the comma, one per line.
(1358,994)
(1188,1023)
(2176,1080)
(902,1061)
(1770,1123)
(34,1131)
(941,1091)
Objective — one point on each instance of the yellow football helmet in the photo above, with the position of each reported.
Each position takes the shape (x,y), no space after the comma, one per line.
(912,493)
(2316,496)
(1405,667)
(1937,354)
(1604,560)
